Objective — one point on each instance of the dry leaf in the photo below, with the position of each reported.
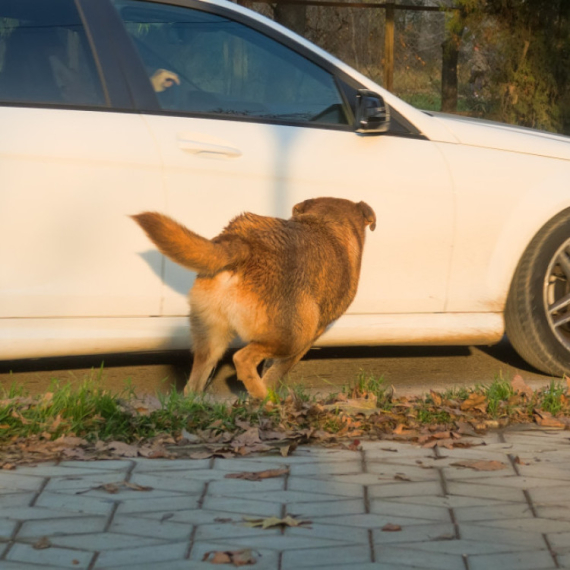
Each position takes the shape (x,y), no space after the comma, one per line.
(235,557)
(122,449)
(42,543)
(258,475)
(391,527)
(546,419)
(436,398)
(272,522)
(287,450)
(475,402)
(401,477)
(480,465)
(520,387)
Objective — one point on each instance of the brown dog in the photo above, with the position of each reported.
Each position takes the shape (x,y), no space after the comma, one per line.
(276,283)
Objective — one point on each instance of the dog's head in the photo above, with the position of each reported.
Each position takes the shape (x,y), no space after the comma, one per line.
(338,209)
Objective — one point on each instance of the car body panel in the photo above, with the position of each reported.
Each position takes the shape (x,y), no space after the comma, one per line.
(69,249)
(37,338)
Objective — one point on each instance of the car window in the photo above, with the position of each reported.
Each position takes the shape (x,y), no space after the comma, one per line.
(204,63)
(45,56)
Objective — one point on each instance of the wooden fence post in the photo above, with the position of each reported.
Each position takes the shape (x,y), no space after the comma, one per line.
(389,48)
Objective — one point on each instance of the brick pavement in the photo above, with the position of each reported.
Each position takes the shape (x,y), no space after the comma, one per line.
(451,518)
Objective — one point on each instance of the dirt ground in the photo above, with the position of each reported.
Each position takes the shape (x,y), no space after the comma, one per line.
(407,369)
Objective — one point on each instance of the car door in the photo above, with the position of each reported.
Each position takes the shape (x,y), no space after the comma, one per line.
(75,161)
(249,121)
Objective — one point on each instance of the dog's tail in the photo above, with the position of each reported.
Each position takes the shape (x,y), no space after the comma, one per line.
(187,248)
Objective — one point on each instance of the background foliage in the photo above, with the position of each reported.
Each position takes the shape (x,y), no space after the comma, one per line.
(513,55)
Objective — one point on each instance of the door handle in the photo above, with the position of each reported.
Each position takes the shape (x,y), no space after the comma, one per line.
(199,147)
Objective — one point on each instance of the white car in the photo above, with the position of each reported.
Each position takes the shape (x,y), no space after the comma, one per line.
(202,109)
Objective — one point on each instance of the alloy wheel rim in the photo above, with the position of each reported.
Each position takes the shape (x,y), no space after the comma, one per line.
(556,294)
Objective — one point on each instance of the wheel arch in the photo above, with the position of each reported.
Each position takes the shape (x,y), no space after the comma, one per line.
(533,212)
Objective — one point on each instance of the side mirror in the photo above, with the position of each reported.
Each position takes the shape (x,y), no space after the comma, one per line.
(372,115)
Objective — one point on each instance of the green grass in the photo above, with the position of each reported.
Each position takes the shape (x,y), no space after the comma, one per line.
(553,398)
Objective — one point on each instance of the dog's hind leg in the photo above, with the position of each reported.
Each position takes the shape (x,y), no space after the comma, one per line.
(280,367)
(210,341)
(246,362)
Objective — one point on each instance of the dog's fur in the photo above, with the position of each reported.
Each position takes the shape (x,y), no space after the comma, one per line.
(276,283)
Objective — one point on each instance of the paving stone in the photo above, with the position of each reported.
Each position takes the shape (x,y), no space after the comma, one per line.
(344,556)
(170,565)
(342,534)
(560,542)
(529,525)
(231,530)
(449,501)
(388,508)
(137,526)
(466,547)
(336,488)
(52,527)
(287,497)
(435,560)
(244,464)
(405,489)
(16,500)
(101,541)
(80,504)
(329,508)
(415,533)
(36,513)
(165,465)
(470,531)
(168,503)
(77,483)
(230,487)
(388,472)
(10,482)
(564,561)
(54,556)
(388,449)
(156,482)
(559,471)
(191,516)
(561,512)
(158,554)
(550,495)
(536,560)
(242,506)
(7,565)
(280,542)
(368,520)
(489,513)
(461,473)
(204,475)
(472,489)
(360,479)
(7,529)
(117,465)
(514,482)
(60,470)
(322,469)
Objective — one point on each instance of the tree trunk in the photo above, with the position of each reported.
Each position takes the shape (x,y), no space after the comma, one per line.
(292,16)
(449,73)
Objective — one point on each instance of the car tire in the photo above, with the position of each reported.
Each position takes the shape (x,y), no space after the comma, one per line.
(537,314)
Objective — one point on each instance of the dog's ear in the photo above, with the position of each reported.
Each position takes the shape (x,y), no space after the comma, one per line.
(300,208)
(369,215)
